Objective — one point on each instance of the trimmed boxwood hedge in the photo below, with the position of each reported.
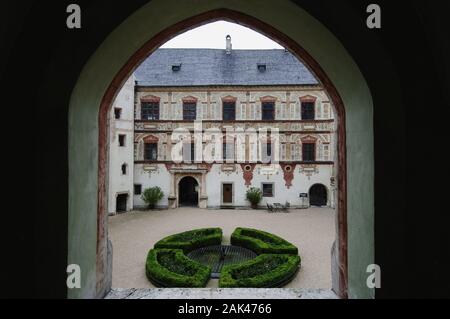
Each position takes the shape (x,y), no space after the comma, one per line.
(193,239)
(265,271)
(262,242)
(171,268)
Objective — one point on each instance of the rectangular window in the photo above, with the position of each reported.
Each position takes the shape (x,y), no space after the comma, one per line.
(295,152)
(188,152)
(149,111)
(309,152)
(189,111)
(117,113)
(266,152)
(122,139)
(268,111)
(267,189)
(150,151)
(229,111)
(308,111)
(137,189)
(193,151)
(228,151)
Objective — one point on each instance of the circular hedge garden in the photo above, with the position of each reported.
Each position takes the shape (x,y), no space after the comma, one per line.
(276,264)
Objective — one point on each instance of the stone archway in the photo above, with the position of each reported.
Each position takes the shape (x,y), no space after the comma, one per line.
(142,33)
(188,192)
(318,195)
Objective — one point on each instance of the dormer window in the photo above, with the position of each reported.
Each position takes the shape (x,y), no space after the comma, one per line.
(176,67)
(262,67)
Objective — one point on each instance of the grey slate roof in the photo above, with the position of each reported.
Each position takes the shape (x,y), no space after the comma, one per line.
(201,67)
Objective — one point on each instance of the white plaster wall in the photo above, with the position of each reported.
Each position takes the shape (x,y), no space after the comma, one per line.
(301,184)
(150,176)
(118,183)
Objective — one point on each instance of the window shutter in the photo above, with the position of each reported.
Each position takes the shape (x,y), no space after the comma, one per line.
(283,152)
(326,152)
(320,155)
(141,150)
(218,110)
(165,115)
(212,109)
(295,152)
(205,112)
(258,112)
(163,152)
(297,110)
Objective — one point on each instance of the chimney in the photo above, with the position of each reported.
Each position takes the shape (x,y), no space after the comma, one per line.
(229,46)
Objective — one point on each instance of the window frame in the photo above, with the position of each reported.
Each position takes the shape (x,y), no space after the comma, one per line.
(155,111)
(264,152)
(192,152)
(272,111)
(310,111)
(185,111)
(272,185)
(155,145)
(228,146)
(313,152)
(228,104)
(140,189)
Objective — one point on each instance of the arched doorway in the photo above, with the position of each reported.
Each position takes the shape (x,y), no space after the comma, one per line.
(318,195)
(143,32)
(188,192)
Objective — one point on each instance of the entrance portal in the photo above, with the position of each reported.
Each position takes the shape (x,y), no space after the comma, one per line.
(121,203)
(227,193)
(318,195)
(188,192)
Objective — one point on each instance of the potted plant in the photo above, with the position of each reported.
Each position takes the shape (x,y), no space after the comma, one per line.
(254,196)
(151,196)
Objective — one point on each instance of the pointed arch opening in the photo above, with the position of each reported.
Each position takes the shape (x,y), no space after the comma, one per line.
(96,257)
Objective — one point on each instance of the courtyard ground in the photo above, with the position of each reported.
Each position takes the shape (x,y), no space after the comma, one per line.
(311,230)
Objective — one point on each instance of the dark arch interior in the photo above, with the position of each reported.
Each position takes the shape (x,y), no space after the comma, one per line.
(188,192)
(121,203)
(318,195)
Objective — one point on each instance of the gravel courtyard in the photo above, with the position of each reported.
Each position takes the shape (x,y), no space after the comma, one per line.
(133,234)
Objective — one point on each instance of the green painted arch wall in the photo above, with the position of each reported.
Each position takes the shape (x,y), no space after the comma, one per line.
(289,19)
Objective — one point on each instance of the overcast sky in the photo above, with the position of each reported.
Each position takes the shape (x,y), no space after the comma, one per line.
(213,35)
